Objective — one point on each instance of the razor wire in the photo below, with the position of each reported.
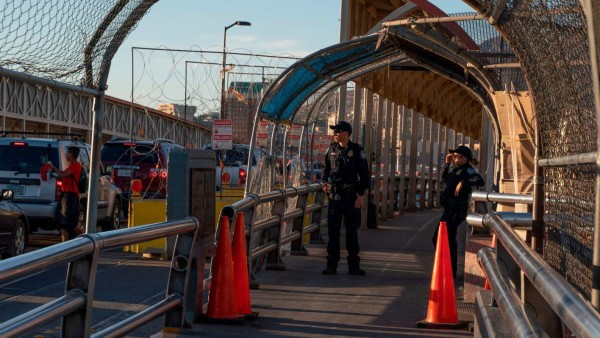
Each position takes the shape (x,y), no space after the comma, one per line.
(551,42)
(191,78)
(63,40)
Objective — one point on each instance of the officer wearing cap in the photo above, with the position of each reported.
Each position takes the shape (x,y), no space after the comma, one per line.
(346,177)
(455,198)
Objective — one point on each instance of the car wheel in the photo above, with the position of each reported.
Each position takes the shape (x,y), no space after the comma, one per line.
(19,240)
(114,222)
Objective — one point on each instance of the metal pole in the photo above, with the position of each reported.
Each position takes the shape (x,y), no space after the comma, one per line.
(357,113)
(414,140)
(377,172)
(423,156)
(385,141)
(430,184)
(368,98)
(404,135)
(222,112)
(590,7)
(272,152)
(393,160)
(240,23)
(284,157)
(185,92)
(403,22)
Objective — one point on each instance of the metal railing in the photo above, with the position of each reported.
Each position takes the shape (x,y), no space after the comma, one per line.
(82,254)
(534,299)
(271,228)
(426,192)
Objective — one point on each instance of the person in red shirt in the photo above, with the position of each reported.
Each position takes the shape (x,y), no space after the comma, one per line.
(68,208)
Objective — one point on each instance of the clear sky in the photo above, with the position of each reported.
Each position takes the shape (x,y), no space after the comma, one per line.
(279,27)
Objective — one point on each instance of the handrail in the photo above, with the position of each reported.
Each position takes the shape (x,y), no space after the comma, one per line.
(281,212)
(82,254)
(518,220)
(568,304)
(483,196)
(506,297)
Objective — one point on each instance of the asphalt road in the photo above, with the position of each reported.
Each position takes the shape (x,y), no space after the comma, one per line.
(126,283)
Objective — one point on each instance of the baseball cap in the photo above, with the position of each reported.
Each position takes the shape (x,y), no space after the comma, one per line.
(342,126)
(463,150)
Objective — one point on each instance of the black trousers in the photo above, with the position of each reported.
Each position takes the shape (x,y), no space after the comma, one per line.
(344,207)
(453,218)
(67,213)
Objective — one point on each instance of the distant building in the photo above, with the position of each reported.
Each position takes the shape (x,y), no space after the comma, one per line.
(241,102)
(178,110)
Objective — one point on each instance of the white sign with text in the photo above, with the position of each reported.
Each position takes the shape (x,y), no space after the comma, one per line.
(222,134)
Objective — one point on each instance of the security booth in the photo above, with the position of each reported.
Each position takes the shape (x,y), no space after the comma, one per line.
(191,192)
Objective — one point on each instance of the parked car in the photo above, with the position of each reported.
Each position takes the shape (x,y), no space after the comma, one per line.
(147,161)
(14,227)
(22,159)
(235,165)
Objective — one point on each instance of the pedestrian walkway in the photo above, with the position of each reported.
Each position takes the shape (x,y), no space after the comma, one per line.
(387,302)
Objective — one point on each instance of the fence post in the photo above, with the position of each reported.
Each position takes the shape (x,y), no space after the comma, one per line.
(298,222)
(315,216)
(274,234)
(183,279)
(81,275)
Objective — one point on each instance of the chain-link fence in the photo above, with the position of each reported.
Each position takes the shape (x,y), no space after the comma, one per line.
(550,40)
(65,40)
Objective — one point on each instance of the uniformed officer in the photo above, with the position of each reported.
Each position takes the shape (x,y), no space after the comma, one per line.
(455,197)
(346,177)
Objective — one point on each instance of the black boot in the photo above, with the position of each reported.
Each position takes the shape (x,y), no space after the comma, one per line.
(329,271)
(354,266)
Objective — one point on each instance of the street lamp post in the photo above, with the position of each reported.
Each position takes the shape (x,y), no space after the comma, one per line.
(237,23)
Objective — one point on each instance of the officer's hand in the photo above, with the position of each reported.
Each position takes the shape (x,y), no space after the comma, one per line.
(457,190)
(326,187)
(358,202)
(449,158)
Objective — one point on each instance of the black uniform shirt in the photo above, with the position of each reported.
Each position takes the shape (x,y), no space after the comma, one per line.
(347,166)
(465,174)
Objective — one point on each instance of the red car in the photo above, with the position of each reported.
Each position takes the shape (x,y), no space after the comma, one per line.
(126,160)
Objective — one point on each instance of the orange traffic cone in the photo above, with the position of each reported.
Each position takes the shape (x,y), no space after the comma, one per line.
(240,270)
(487,285)
(441,311)
(221,299)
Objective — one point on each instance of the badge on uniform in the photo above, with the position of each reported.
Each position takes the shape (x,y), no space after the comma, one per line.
(350,153)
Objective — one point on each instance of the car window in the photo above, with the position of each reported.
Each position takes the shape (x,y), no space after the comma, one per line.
(232,157)
(167,148)
(84,159)
(26,158)
(126,154)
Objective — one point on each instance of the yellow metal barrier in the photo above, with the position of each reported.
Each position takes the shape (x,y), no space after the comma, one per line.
(144,212)
(310,199)
(226,197)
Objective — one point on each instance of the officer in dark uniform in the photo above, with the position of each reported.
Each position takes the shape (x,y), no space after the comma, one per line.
(455,197)
(346,177)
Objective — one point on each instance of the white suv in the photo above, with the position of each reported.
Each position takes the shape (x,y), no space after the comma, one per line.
(235,164)
(20,162)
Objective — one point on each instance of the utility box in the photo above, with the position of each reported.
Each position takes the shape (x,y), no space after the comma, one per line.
(192,188)
(191,191)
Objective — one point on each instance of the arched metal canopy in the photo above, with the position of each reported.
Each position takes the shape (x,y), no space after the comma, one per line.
(295,94)
(312,77)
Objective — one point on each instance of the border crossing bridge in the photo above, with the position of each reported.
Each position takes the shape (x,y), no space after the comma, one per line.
(520,76)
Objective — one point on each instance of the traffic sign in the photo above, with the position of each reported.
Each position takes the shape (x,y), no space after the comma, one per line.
(222,134)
